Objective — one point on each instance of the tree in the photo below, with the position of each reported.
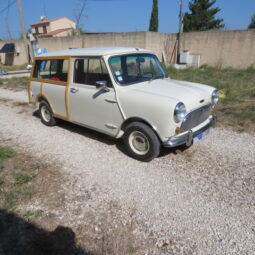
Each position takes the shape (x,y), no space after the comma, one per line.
(202,16)
(252,25)
(79,14)
(154,17)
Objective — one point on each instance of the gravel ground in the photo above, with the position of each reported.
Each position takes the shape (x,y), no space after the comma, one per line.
(198,201)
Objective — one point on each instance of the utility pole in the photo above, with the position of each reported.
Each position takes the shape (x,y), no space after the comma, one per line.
(26,45)
(180,30)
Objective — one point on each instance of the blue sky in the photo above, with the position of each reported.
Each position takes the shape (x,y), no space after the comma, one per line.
(119,15)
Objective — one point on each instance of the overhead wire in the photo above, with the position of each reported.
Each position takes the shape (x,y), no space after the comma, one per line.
(8,6)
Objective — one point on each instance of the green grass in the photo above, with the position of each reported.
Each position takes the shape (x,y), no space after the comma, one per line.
(1,181)
(10,197)
(35,166)
(21,178)
(13,195)
(15,83)
(33,213)
(13,68)
(16,175)
(133,249)
(5,153)
(237,85)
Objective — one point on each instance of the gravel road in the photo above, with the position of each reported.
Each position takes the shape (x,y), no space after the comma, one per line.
(198,201)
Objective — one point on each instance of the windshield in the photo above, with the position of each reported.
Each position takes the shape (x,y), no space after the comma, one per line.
(128,69)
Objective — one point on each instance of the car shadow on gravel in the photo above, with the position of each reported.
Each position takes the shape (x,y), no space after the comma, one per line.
(20,237)
(83,131)
(174,151)
(100,137)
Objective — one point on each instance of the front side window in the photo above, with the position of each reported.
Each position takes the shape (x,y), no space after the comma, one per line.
(128,69)
(91,70)
(51,69)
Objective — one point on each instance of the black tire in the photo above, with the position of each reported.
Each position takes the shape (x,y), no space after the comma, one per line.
(46,114)
(141,142)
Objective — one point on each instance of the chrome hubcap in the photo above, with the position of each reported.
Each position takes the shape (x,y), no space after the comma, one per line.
(45,113)
(139,143)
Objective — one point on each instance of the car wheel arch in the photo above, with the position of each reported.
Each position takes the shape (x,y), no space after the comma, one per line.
(41,98)
(128,121)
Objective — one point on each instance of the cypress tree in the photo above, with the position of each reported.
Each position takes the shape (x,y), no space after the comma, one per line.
(252,25)
(202,16)
(154,17)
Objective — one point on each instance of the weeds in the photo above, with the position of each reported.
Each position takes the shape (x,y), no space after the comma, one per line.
(38,166)
(238,87)
(10,197)
(35,213)
(13,68)
(27,192)
(15,83)
(1,181)
(133,249)
(1,165)
(5,152)
(16,174)
(21,178)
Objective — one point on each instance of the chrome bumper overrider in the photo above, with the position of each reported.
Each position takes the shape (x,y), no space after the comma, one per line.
(187,138)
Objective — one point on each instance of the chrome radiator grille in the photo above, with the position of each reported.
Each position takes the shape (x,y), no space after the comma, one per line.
(196,117)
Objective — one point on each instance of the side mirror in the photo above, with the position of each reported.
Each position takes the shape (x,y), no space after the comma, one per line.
(102,85)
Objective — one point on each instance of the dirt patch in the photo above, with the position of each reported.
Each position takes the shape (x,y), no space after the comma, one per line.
(4,100)
(33,194)
(23,106)
(227,119)
(19,104)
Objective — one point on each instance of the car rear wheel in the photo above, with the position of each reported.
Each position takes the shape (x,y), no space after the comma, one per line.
(141,142)
(46,114)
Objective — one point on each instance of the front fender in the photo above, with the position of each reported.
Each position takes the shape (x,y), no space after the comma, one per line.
(155,110)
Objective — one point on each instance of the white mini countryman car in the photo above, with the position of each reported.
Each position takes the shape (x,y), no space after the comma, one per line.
(122,92)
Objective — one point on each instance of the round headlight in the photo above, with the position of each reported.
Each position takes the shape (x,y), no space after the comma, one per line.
(179,112)
(215,97)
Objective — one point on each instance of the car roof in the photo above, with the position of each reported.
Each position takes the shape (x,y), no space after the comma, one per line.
(96,51)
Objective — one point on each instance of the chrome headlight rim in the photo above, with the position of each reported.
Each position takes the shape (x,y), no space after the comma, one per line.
(179,112)
(215,97)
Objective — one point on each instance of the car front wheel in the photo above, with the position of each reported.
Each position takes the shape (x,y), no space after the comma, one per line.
(141,142)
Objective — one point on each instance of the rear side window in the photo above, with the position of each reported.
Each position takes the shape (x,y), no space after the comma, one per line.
(51,69)
(90,70)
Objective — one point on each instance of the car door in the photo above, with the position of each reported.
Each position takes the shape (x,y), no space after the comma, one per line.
(90,105)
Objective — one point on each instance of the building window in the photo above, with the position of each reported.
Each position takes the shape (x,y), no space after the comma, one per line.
(44,30)
(36,30)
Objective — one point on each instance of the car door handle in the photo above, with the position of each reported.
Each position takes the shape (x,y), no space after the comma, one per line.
(74,90)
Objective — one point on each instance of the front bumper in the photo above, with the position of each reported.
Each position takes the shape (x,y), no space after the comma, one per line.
(187,137)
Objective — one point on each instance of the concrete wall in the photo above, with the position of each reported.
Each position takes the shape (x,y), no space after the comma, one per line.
(222,48)
(136,39)
(216,48)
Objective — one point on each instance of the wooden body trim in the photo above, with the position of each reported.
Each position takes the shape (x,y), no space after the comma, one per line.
(43,81)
